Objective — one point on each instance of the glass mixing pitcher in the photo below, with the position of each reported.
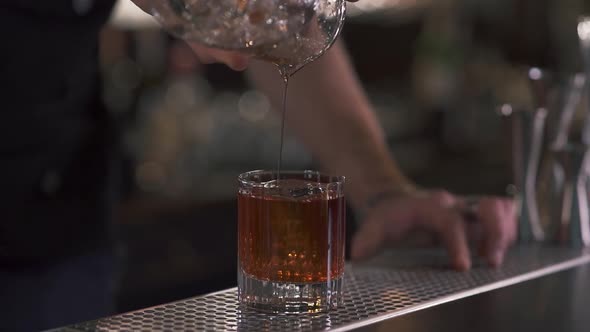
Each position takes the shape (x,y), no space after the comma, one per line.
(289,33)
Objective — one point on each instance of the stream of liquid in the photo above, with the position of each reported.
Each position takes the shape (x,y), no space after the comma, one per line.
(283,117)
(286,71)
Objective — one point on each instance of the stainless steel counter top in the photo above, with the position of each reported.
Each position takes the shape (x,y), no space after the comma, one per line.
(555,302)
(397,283)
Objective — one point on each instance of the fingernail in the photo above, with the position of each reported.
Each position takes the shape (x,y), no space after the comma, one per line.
(466,264)
(496,259)
(462,264)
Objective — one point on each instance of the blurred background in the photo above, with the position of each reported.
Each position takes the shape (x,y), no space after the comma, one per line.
(436,72)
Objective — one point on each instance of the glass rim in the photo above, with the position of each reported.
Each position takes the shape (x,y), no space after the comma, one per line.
(245,178)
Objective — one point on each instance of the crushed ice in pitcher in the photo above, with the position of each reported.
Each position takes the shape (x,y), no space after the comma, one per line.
(234,24)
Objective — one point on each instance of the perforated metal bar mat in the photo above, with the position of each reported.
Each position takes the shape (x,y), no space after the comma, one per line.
(397,283)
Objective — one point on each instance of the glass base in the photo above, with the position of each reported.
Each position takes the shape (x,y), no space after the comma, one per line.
(281,297)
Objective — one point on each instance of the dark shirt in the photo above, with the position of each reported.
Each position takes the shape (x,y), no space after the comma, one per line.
(56,139)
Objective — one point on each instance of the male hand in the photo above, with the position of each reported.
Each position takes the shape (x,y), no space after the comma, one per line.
(443,215)
(207,55)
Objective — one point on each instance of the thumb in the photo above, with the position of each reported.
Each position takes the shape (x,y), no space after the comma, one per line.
(368,239)
(234,60)
(389,222)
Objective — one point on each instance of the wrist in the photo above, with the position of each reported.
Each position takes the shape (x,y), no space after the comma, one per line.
(376,191)
(384,195)
(389,195)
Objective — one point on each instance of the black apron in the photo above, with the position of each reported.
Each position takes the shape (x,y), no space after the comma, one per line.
(56,139)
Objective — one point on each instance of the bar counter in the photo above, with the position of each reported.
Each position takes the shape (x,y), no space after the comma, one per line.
(537,288)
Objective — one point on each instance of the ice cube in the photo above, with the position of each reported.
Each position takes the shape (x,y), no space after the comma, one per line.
(272,188)
(293,188)
(311,189)
(270,184)
(235,24)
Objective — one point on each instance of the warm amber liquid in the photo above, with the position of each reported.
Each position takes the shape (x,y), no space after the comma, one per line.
(291,240)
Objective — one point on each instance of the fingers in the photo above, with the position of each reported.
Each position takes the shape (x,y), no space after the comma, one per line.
(498,220)
(442,213)
(448,223)
(390,221)
(369,238)
(207,55)
(453,235)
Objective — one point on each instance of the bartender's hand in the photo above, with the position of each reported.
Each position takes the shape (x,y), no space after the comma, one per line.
(207,55)
(441,214)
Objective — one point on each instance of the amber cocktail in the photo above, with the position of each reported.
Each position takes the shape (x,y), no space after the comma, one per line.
(291,233)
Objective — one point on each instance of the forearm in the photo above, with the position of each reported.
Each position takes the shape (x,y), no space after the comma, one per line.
(330,114)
